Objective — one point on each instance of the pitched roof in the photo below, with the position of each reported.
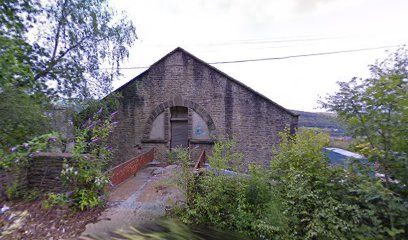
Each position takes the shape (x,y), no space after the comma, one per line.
(213,68)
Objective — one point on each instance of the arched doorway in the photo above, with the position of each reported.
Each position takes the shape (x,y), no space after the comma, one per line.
(167,122)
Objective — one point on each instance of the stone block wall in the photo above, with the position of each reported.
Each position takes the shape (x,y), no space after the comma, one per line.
(11,177)
(43,174)
(230,109)
(45,170)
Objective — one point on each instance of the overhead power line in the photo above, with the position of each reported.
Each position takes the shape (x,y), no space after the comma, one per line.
(287,57)
(304,55)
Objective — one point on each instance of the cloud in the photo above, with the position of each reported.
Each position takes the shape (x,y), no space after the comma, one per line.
(309,5)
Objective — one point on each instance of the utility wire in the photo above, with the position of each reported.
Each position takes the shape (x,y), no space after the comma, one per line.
(286,57)
(304,55)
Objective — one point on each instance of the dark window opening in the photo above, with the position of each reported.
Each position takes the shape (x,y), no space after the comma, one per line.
(179,127)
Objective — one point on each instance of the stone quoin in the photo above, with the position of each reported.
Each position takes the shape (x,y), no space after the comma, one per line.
(183,101)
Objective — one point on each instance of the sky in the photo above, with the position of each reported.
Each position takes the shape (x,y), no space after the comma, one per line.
(228,30)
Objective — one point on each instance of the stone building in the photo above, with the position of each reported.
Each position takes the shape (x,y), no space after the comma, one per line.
(183,101)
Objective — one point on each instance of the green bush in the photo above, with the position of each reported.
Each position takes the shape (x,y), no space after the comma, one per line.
(86,198)
(32,194)
(239,203)
(375,111)
(323,202)
(22,115)
(13,190)
(20,155)
(86,174)
(224,157)
(299,197)
(55,199)
(17,160)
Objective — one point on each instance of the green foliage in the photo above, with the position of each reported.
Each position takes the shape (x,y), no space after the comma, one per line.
(299,197)
(224,157)
(13,191)
(325,202)
(72,40)
(86,199)
(302,151)
(341,142)
(55,199)
(78,38)
(17,159)
(15,53)
(235,203)
(17,191)
(238,203)
(53,50)
(186,180)
(19,156)
(32,194)
(171,157)
(86,175)
(376,112)
(87,108)
(21,118)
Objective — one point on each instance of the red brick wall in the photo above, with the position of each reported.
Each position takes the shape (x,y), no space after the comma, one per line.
(129,168)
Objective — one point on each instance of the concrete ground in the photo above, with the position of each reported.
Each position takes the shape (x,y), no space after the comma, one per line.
(139,200)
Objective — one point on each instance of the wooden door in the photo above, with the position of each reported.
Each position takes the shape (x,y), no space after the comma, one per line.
(179,133)
(179,127)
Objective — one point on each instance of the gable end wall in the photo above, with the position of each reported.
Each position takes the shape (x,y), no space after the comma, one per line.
(252,121)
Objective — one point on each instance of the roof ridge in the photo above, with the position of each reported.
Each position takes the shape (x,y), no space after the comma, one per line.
(213,68)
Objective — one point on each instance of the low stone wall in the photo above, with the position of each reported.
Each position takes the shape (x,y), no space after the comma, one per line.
(129,168)
(12,180)
(43,174)
(45,171)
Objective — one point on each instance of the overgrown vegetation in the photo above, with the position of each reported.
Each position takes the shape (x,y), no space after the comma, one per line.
(19,156)
(86,109)
(21,118)
(17,160)
(375,110)
(86,175)
(299,197)
(53,52)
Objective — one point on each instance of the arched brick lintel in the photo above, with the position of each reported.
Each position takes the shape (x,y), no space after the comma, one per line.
(178,101)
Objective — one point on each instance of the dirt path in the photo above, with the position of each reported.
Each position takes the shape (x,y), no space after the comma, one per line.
(139,200)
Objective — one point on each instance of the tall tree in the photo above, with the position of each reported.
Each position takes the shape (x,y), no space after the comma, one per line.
(62,45)
(56,49)
(80,37)
(376,110)
(15,52)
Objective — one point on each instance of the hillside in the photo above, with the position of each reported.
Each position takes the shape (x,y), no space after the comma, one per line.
(322,120)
